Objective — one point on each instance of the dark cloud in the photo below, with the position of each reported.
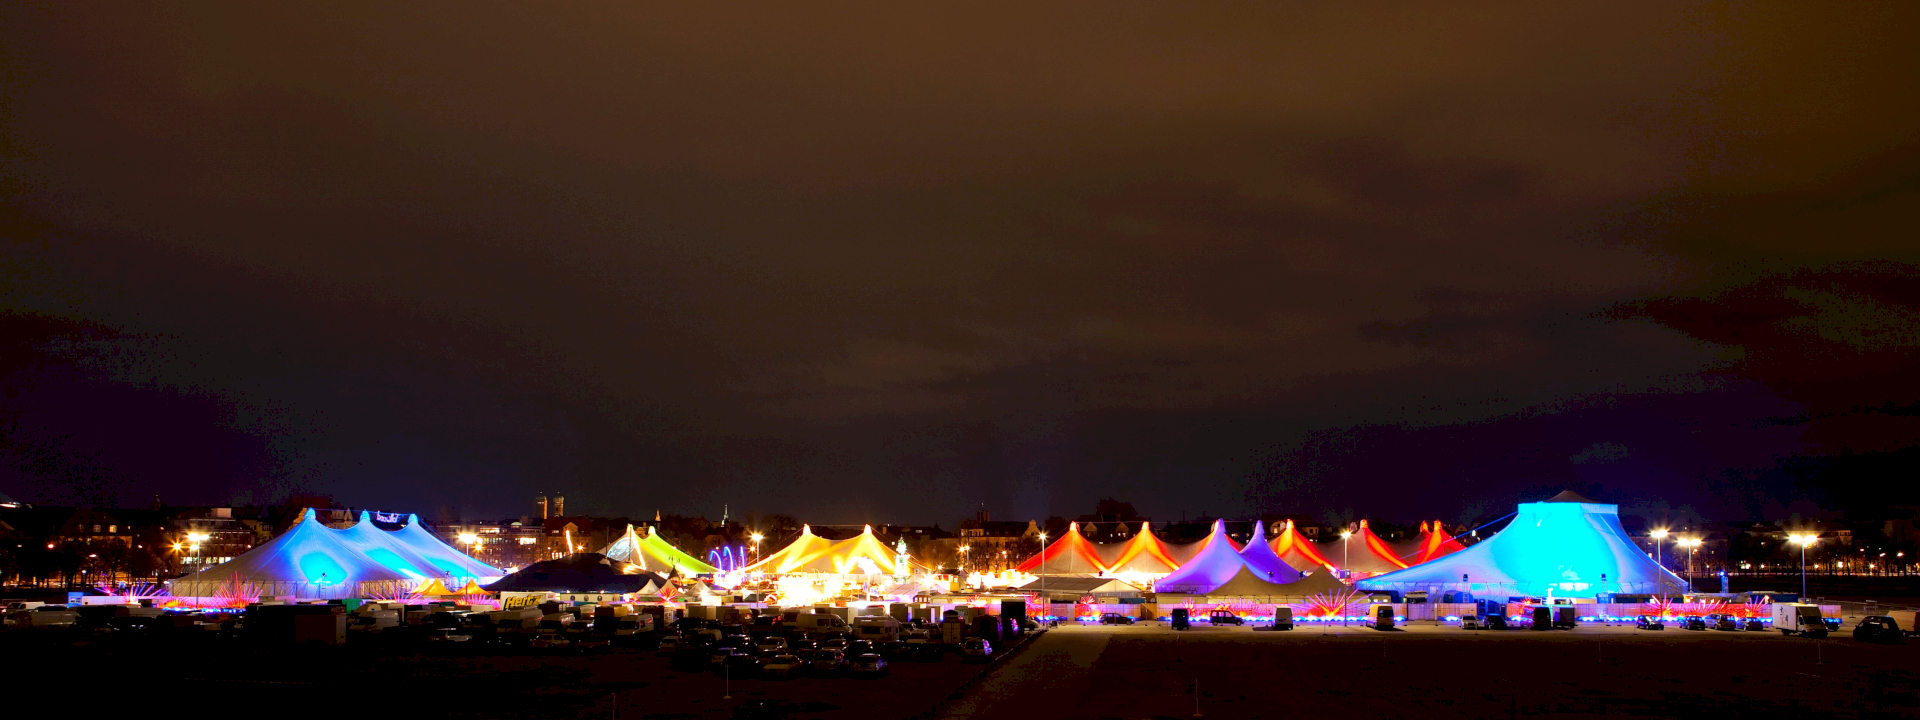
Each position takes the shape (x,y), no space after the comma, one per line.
(864,260)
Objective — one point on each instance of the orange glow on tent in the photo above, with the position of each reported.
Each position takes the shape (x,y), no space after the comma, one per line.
(1145,553)
(1294,550)
(1379,547)
(1070,554)
(1436,543)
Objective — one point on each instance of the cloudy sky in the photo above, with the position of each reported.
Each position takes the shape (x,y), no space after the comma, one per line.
(860,261)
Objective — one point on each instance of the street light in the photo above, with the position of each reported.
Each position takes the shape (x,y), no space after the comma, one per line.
(469,539)
(1042,567)
(1803,540)
(1344,534)
(195,538)
(1693,548)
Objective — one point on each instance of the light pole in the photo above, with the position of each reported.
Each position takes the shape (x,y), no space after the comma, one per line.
(470,539)
(1659,543)
(199,567)
(1042,567)
(1344,534)
(1693,548)
(756,546)
(1803,540)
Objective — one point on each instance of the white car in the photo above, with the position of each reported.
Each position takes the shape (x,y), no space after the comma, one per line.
(772,645)
(1471,622)
(975,650)
(52,616)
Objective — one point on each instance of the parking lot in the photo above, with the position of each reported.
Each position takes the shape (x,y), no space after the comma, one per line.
(1147,671)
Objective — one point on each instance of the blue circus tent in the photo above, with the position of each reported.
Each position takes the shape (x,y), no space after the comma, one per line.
(443,557)
(1567,546)
(1217,562)
(311,560)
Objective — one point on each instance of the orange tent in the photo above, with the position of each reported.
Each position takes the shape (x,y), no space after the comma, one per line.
(1143,554)
(1071,554)
(1295,551)
(1435,543)
(1363,553)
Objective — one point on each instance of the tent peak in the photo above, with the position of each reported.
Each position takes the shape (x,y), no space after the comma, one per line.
(1568,496)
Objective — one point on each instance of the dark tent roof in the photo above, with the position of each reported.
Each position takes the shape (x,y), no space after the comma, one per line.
(1569,496)
(578,573)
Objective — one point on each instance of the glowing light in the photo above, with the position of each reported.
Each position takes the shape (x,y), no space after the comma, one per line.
(1660,534)
(469,538)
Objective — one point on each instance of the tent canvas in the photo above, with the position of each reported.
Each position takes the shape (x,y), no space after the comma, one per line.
(1070,554)
(1294,549)
(442,556)
(1143,553)
(1260,558)
(803,552)
(387,549)
(1246,585)
(1435,543)
(865,555)
(1566,548)
(1364,553)
(309,560)
(1212,567)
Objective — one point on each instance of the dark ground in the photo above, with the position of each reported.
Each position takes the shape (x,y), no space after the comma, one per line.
(1143,671)
(1148,672)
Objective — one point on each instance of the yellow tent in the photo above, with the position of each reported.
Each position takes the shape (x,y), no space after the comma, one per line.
(433,587)
(798,556)
(471,588)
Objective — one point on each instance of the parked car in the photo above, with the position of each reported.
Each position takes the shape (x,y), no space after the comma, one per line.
(868,665)
(772,645)
(975,650)
(1649,622)
(1115,619)
(1224,617)
(1693,623)
(1471,622)
(1877,629)
(1180,619)
(826,662)
(834,643)
(1754,624)
(669,645)
(858,648)
(1723,621)
(51,616)
(798,644)
(782,666)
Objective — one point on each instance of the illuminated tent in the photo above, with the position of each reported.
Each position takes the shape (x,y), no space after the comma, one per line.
(1568,546)
(309,560)
(1143,554)
(861,555)
(432,587)
(866,555)
(1294,549)
(797,555)
(1364,553)
(1435,543)
(471,588)
(1249,586)
(654,554)
(1070,554)
(1265,565)
(442,556)
(1216,563)
(388,549)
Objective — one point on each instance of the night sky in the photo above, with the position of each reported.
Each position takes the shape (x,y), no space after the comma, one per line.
(875,263)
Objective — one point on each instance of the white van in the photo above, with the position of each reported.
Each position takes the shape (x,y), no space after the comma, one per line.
(1799,619)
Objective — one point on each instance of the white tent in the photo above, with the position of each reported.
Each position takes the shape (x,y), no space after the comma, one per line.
(309,560)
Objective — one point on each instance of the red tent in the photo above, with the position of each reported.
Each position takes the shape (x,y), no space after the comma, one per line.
(1072,554)
(1297,552)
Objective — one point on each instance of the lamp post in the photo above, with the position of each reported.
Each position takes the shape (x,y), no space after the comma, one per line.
(1344,534)
(1693,548)
(1042,567)
(756,546)
(470,539)
(1803,540)
(199,567)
